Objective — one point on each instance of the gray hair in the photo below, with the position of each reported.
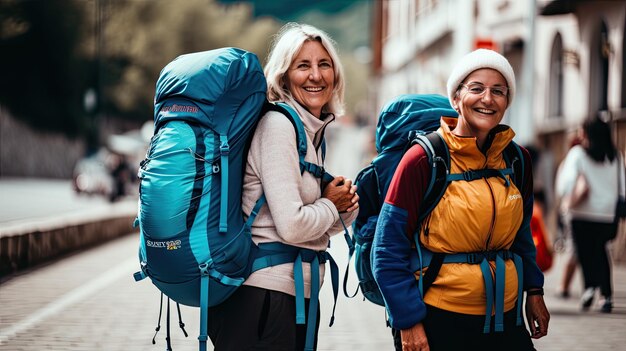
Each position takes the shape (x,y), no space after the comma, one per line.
(285,47)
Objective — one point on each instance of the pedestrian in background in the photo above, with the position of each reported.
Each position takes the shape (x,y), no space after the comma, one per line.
(564,242)
(590,175)
(453,313)
(303,70)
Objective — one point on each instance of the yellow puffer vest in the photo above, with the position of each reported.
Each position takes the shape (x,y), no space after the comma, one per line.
(479,215)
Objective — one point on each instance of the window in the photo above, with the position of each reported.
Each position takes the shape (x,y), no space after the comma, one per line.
(555,93)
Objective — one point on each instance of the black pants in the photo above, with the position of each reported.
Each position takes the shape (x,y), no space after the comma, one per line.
(449,331)
(257,319)
(590,239)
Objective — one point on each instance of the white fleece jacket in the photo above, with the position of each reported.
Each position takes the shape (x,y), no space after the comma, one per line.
(295,212)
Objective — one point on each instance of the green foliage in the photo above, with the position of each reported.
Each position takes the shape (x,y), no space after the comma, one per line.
(141,37)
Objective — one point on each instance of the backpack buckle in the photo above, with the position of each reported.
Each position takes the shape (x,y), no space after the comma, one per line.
(469,175)
(205,267)
(224,149)
(474,258)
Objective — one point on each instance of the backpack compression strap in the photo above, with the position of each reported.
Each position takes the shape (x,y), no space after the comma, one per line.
(224,151)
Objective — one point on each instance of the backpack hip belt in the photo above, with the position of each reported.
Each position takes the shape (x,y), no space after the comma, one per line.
(275,253)
(482,258)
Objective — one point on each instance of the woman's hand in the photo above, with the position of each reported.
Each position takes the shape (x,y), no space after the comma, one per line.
(537,316)
(343,194)
(414,338)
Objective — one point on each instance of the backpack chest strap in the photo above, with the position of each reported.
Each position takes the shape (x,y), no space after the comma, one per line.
(480,174)
(494,288)
(315,170)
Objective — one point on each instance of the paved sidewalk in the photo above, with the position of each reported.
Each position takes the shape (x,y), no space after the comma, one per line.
(571,328)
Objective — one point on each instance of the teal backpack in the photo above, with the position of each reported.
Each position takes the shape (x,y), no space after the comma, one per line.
(400,121)
(403,122)
(194,243)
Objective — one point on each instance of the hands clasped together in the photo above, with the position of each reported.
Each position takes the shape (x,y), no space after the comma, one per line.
(343,194)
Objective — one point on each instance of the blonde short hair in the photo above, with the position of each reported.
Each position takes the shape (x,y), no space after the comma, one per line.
(285,47)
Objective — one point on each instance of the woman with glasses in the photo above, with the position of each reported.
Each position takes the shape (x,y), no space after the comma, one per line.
(487,217)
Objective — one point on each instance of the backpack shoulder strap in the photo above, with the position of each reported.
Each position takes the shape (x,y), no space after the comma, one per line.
(439,157)
(514,159)
(301,141)
(293,117)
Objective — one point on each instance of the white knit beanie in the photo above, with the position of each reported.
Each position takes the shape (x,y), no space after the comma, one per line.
(477,59)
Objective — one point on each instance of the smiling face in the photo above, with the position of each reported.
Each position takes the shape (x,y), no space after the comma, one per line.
(311,77)
(479,113)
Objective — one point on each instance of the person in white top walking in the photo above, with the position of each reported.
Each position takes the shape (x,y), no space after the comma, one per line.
(588,180)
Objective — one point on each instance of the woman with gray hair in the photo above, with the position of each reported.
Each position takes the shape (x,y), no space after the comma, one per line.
(303,71)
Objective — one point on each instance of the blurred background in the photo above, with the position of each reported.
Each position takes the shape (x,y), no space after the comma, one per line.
(78,77)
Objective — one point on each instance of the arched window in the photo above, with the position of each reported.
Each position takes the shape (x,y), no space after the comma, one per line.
(555,94)
(599,79)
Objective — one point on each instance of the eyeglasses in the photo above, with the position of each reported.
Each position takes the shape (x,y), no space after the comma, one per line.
(480,90)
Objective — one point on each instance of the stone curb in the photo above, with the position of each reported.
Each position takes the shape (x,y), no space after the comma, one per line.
(23,246)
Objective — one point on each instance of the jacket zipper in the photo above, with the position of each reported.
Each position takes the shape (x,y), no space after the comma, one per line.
(493,211)
(493,216)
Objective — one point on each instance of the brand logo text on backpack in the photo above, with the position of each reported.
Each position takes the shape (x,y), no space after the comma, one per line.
(170,244)
(180,108)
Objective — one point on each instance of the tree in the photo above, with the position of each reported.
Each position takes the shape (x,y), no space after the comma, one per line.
(141,37)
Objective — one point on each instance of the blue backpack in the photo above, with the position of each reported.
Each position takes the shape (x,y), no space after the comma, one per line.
(403,122)
(194,243)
